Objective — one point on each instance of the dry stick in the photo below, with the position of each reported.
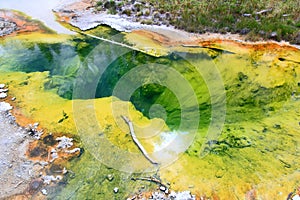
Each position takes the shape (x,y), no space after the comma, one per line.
(110,41)
(114,42)
(136,141)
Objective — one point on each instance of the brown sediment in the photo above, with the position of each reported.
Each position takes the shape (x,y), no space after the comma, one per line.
(211,41)
(163,39)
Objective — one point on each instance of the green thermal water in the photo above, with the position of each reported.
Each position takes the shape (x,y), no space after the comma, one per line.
(257,147)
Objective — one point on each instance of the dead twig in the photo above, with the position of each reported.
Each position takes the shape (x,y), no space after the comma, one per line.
(136,141)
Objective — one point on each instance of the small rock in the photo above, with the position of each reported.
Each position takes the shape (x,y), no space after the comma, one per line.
(261,32)
(168,15)
(64,142)
(244,31)
(3,95)
(162,188)
(110,177)
(54,155)
(73,150)
(48,179)
(273,34)
(34,186)
(3,90)
(5,107)
(247,15)
(156,15)
(44,191)
(116,190)
(14,98)
(43,163)
(64,171)
(2,85)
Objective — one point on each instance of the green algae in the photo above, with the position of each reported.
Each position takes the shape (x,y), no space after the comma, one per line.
(258,145)
(47,108)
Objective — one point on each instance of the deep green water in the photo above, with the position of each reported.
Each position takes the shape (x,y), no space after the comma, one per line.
(64,60)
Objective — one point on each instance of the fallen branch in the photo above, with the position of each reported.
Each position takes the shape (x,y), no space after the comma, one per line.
(136,141)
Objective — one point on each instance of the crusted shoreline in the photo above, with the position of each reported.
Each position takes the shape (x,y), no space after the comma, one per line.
(84,16)
(28,155)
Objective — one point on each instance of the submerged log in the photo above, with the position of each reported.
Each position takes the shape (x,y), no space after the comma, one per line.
(136,141)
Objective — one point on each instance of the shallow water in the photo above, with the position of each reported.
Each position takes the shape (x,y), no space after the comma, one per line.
(230,144)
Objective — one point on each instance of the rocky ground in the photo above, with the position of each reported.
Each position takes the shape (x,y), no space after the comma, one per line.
(24,172)
(13,22)
(7,27)
(16,171)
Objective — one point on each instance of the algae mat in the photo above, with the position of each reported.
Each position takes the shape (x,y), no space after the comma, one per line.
(257,146)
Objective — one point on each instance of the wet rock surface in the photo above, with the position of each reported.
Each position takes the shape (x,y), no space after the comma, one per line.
(16,171)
